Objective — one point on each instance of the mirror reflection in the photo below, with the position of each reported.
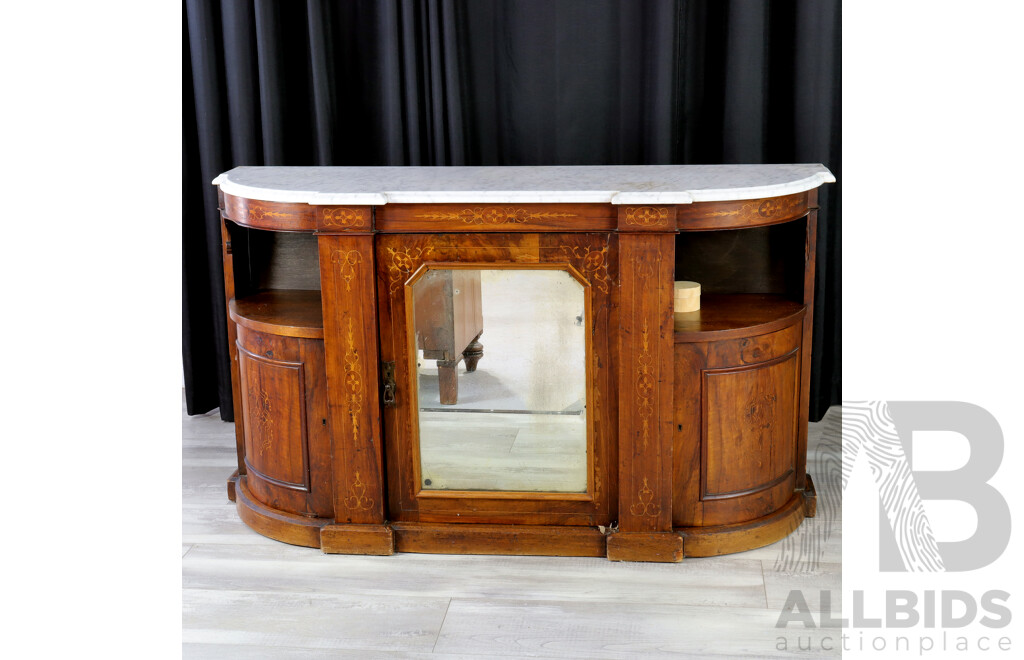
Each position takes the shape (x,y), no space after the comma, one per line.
(501,369)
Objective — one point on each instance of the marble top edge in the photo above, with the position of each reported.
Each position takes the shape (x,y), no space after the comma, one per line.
(734,194)
(617,184)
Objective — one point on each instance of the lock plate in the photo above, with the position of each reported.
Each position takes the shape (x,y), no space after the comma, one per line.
(388,377)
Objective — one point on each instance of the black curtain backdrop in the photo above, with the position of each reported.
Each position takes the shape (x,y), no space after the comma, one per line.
(491,82)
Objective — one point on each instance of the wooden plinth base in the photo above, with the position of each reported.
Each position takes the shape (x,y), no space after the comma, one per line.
(810,499)
(470,539)
(553,541)
(726,539)
(280,526)
(357,539)
(643,546)
(232,480)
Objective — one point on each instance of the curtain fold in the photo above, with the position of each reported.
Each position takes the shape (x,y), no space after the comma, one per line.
(501,82)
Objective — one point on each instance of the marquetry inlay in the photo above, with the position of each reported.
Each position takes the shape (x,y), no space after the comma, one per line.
(763,209)
(353,381)
(258,213)
(349,262)
(645,506)
(344,218)
(357,499)
(646,216)
(494,215)
(593,263)
(645,363)
(402,263)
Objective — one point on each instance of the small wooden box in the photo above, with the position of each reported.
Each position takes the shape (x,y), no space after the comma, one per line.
(687,296)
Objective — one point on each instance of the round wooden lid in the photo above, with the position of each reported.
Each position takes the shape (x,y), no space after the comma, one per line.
(686,289)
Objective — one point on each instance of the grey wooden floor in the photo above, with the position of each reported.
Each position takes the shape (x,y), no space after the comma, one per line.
(246,596)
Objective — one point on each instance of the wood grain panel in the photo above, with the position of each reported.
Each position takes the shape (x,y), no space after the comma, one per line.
(350,342)
(687,508)
(284,413)
(440,218)
(278,216)
(755,349)
(749,441)
(273,403)
(728,316)
(703,216)
(287,313)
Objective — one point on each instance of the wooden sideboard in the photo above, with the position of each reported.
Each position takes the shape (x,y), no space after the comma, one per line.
(599,422)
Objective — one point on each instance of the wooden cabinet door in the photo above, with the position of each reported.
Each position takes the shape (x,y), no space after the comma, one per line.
(749,439)
(430,441)
(284,415)
(737,421)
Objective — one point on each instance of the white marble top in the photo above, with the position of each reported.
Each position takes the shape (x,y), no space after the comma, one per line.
(617,184)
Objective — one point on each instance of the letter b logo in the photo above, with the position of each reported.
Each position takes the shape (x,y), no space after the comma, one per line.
(883,430)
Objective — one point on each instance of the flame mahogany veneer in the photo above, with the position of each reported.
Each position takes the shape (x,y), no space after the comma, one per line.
(697,441)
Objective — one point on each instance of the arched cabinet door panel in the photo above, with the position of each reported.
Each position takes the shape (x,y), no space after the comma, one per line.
(284,416)
(737,426)
(749,439)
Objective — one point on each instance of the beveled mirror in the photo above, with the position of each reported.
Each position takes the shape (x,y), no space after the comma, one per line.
(501,378)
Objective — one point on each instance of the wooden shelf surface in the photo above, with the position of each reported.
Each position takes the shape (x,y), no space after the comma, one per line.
(285,312)
(732,315)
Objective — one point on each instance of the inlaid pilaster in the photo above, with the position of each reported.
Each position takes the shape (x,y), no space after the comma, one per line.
(645,379)
(350,344)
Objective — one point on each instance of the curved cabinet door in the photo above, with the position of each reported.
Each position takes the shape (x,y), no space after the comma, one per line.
(284,413)
(749,446)
(737,404)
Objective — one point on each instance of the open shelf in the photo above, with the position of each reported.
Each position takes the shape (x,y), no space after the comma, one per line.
(731,315)
(285,312)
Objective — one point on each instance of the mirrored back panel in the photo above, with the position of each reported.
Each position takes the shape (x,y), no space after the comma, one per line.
(501,378)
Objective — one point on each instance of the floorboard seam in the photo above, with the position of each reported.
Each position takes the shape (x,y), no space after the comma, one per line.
(437,637)
(764,585)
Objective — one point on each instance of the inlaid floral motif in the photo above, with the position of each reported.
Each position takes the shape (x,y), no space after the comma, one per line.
(348,262)
(762,209)
(402,263)
(343,218)
(494,215)
(645,506)
(645,365)
(353,381)
(593,263)
(357,500)
(259,213)
(646,216)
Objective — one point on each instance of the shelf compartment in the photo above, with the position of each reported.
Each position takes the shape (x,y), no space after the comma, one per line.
(732,315)
(283,312)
